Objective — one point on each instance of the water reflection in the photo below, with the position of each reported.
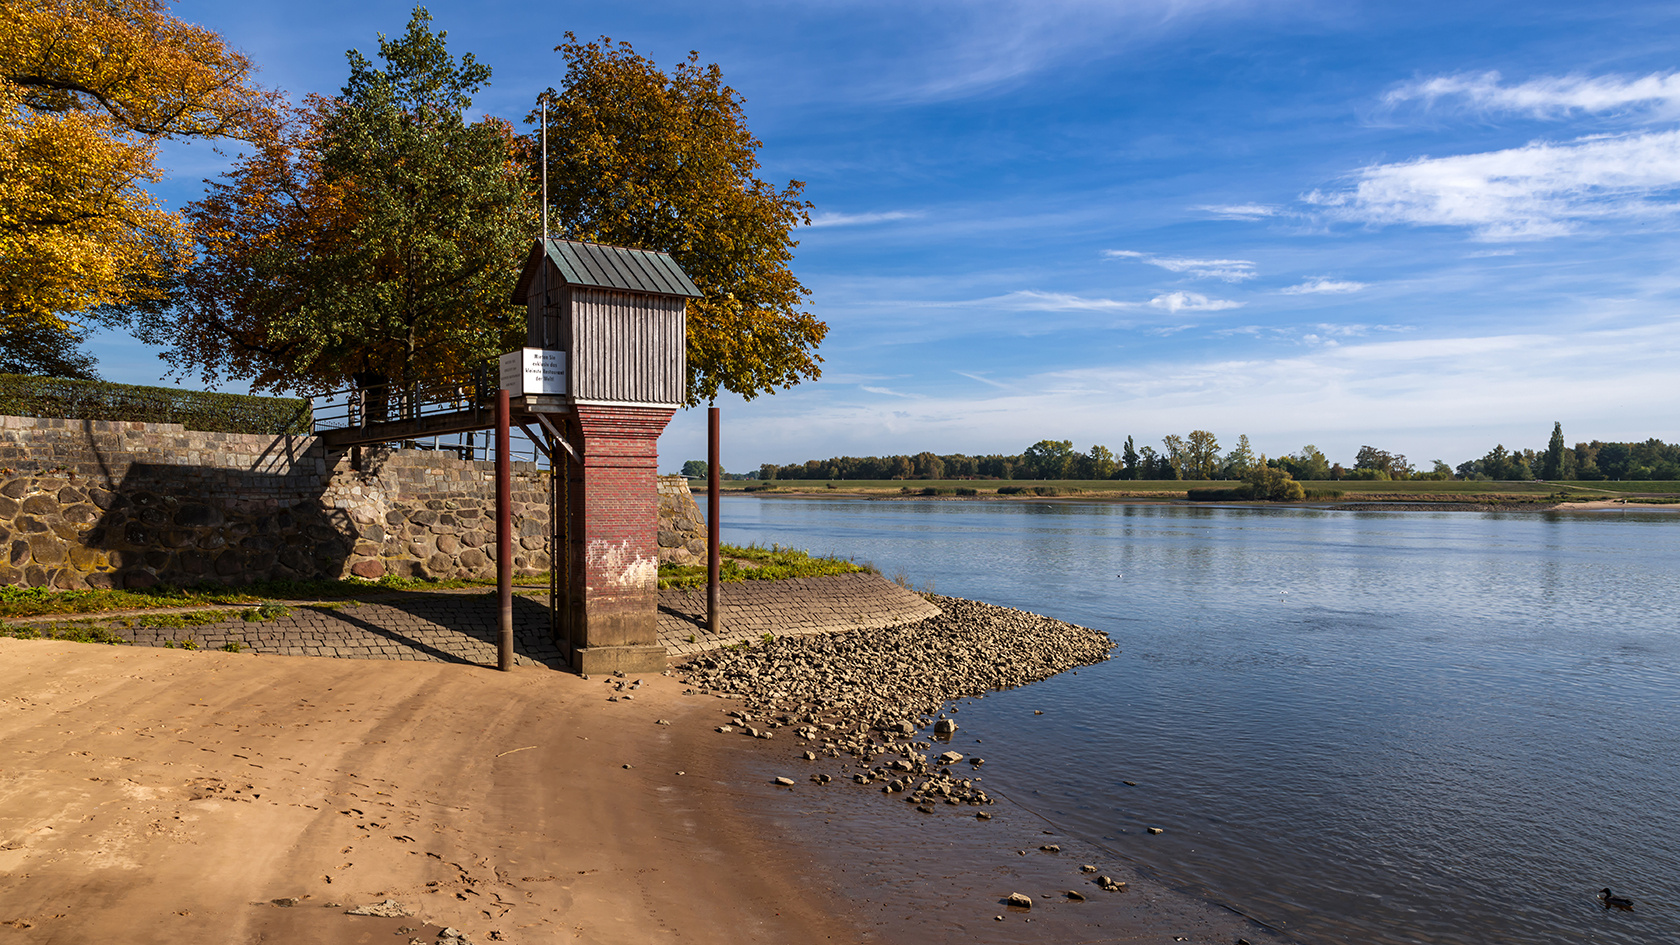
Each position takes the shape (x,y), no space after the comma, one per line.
(1373,727)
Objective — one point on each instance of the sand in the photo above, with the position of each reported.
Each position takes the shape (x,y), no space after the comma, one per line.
(202,797)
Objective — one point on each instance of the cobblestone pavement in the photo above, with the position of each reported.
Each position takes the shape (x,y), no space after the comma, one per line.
(440,627)
(794,607)
(459,626)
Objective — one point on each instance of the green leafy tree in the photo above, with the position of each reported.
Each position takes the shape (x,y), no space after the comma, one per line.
(1129,460)
(928,466)
(1097,464)
(666,162)
(1309,463)
(1272,484)
(374,238)
(1553,467)
(1240,460)
(695,469)
(1178,453)
(1049,459)
(1201,455)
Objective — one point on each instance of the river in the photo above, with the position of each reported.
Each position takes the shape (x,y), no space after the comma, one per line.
(1407,727)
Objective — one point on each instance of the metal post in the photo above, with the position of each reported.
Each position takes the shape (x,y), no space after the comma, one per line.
(504,534)
(713,619)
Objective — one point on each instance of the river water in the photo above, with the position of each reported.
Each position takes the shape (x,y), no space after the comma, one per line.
(1375,727)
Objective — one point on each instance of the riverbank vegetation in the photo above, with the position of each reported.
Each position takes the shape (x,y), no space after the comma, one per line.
(1198,457)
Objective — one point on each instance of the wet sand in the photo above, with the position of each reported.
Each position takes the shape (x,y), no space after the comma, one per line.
(200,797)
(205,797)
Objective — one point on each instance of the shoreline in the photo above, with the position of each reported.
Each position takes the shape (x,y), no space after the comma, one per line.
(217,797)
(1355,502)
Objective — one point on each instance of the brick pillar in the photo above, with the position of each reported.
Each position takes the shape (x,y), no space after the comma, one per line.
(615,507)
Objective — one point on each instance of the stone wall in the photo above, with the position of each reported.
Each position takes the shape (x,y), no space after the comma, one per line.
(682,527)
(110,504)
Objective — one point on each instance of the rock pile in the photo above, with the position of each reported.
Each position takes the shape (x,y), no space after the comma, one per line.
(868,693)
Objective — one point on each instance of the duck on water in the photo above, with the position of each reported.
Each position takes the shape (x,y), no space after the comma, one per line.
(1612,901)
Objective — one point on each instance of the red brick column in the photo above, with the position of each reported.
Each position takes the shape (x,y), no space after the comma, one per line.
(615,508)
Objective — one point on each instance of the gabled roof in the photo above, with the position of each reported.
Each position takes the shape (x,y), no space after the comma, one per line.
(597,266)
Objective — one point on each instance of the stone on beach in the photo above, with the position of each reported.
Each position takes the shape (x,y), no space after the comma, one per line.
(1020,901)
(861,692)
(386,909)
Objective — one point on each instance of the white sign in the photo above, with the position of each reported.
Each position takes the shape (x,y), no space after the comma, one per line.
(533,371)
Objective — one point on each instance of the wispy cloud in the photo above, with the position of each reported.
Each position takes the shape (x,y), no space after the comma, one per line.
(1033,301)
(1323,286)
(985,380)
(1176,302)
(1239,211)
(860,219)
(887,391)
(1228,270)
(1536,191)
(1545,97)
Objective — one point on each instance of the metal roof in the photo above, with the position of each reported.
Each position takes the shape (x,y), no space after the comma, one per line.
(611,267)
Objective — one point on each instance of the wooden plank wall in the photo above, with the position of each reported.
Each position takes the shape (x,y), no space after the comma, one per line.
(628,348)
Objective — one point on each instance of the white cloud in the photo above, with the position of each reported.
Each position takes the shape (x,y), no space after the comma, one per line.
(1228,270)
(1536,191)
(1176,302)
(1322,286)
(859,219)
(882,390)
(1238,211)
(1546,97)
(1032,301)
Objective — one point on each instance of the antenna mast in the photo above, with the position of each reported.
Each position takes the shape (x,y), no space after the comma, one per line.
(546,340)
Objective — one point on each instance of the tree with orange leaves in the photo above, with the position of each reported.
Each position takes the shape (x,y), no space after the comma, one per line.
(666,162)
(374,238)
(88,88)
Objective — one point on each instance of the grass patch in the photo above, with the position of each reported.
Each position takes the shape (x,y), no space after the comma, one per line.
(764,564)
(74,633)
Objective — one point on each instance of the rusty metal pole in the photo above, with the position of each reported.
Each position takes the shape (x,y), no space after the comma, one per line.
(713,620)
(504,534)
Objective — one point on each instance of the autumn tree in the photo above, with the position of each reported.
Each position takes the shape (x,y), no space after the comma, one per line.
(88,89)
(374,239)
(665,162)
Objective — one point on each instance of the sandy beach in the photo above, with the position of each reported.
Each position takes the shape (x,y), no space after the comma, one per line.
(204,797)
(156,795)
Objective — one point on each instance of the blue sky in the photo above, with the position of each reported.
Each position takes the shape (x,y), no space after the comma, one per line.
(1428,227)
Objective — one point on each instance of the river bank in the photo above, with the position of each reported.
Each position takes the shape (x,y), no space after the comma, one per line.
(202,797)
(219,797)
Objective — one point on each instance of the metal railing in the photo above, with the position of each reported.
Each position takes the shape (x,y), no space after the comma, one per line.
(357,407)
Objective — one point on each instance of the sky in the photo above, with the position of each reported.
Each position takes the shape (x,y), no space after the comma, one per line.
(1427,227)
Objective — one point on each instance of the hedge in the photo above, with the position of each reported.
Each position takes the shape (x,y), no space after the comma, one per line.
(23,395)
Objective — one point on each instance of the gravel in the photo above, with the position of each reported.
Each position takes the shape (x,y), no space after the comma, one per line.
(866,695)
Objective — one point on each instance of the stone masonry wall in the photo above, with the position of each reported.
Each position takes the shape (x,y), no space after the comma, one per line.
(682,527)
(109,504)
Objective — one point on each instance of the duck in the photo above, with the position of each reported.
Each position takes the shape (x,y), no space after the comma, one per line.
(1612,901)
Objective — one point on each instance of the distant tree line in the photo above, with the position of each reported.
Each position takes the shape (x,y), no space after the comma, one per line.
(1198,456)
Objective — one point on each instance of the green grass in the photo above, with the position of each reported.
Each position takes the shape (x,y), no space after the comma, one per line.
(1660,485)
(772,564)
(75,633)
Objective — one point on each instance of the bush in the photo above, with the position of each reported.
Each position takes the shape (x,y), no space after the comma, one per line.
(1237,494)
(1324,493)
(1011,490)
(25,396)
